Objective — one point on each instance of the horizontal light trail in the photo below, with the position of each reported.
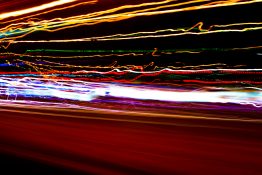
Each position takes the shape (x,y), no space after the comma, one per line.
(19,30)
(35,9)
(87,91)
(242,27)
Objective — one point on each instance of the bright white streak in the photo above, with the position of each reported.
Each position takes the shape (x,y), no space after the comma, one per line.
(34,9)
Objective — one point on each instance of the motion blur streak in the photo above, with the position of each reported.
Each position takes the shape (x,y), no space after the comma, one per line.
(158,33)
(84,91)
(19,30)
(119,147)
(131,87)
(35,9)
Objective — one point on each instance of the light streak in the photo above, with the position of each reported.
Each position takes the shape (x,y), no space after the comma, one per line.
(242,27)
(81,64)
(86,91)
(65,79)
(20,30)
(35,9)
(31,17)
